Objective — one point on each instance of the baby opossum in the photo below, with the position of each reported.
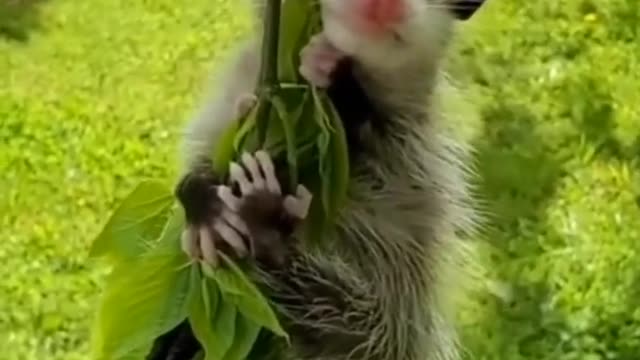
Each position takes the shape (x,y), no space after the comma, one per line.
(369,291)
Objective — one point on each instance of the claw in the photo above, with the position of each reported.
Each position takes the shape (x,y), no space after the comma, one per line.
(233,219)
(231,237)
(254,169)
(207,246)
(298,206)
(273,185)
(239,176)
(231,201)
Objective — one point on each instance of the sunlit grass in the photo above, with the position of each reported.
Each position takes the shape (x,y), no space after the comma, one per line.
(93,94)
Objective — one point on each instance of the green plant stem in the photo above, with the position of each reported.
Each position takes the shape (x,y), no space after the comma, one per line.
(268,81)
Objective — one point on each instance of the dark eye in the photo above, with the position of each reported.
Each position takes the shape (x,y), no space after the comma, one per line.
(464,9)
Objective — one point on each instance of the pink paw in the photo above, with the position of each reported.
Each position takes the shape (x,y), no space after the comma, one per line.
(319,59)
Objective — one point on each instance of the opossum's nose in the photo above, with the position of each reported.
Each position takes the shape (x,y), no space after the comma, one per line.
(380,15)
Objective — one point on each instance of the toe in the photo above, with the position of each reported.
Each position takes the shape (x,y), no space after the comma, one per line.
(189,242)
(235,221)
(207,246)
(256,177)
(231,201)
(231,237)
(239,176)
(272,183)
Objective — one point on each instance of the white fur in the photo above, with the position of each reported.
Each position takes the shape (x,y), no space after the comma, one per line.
(423,34)
(405,202)
(222,107)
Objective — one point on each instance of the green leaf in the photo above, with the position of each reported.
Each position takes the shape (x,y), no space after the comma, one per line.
(135,223)
(172,231)
(339,161)
(212,319)
(237,288)
(247,128)
(144,298)
(137,354)
(224,150)
(229,282)
(287,121)
(245,337)
(295,31)
(322,142)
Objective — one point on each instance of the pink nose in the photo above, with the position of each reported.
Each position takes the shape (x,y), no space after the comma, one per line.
(383,13)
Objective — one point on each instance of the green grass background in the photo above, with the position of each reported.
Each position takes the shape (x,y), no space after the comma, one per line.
(93,95)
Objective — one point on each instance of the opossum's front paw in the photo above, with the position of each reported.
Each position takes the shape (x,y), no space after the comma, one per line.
(208,222)
(266,218)
(319,59)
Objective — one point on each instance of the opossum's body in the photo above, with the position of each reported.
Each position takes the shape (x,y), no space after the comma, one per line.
(370,291)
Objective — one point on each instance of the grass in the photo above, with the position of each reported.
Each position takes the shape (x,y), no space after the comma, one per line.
(94,94)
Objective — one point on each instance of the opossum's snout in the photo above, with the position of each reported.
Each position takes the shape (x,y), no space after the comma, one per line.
(386,34)
(368,18)
(376,16)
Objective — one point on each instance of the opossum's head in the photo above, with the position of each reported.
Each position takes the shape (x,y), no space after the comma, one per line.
(388,33)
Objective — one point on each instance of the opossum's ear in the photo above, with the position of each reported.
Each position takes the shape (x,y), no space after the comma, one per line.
(464,9)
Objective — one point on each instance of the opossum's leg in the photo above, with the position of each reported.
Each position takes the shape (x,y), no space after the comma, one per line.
(208,225)
(319,59)
(232,97)
(211,227)
(327,310)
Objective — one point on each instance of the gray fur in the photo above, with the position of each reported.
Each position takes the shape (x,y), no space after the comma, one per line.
(372,291)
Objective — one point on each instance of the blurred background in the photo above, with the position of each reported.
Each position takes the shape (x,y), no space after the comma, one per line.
(93,94)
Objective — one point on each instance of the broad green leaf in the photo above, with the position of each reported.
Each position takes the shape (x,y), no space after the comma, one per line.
(145,297)
(229,282)
(287,121)
(275,138)
(237,288)
(212,319)
(325,172)
(322,142)
(224,323)
(258,309)
(339,162)
(224,150)
(245,337)
(137,354)
(307,130)
(316,223)
(247,127)
(268,346)
(170,236)
(135,223)
(294,33)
